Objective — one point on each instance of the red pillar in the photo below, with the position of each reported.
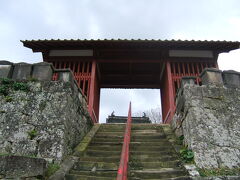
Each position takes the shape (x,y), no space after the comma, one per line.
(167,95)
(94,94)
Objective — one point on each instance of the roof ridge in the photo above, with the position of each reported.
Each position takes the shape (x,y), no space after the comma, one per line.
(148,40)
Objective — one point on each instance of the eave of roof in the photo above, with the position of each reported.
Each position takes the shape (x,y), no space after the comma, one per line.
(43,45)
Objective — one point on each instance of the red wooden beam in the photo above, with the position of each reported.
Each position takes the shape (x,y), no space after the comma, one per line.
(92,92)
(170,90)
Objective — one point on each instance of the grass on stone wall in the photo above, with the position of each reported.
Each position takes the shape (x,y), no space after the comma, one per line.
(20,86)
(8,99)
(7,84)
(32,134)
(219,172)
(51,169)
(186,154)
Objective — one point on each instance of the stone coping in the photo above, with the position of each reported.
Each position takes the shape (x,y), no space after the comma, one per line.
(231,72)
(210,70)
(4,62)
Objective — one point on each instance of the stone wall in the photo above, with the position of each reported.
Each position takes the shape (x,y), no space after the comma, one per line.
(40,118)
(209,118)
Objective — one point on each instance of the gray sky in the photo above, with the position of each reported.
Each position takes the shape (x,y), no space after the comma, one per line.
(130,19)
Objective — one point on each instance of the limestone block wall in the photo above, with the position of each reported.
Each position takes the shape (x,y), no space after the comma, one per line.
(209,118)
(40,117)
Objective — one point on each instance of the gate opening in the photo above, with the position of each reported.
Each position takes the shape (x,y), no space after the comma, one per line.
(146,101)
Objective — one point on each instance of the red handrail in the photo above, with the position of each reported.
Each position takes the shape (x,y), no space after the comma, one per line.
(123,166)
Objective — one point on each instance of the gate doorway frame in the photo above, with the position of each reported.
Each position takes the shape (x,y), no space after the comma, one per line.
(131,63)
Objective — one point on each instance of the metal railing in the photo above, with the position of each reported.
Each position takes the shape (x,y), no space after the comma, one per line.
(123,166)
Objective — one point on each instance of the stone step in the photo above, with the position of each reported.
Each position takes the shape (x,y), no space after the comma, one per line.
(146,158)
(113,143)
(147,131)
(148,137)
(112,127)
(95,173)
(146,134)
(110,159)
(98,139)
(97,166)
(136,154)
(151,148)
(110,133)
(157,153)
(175,178)
(132,148)
(82,177)
(161,142)
(139,165)
(146,127)
(105,147)
(163,173)
(98,153)
(109,137)
(111,130)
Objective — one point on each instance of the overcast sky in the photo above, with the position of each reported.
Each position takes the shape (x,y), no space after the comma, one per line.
(130,19)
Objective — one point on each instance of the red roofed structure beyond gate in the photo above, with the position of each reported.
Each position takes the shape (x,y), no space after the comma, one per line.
(131,64)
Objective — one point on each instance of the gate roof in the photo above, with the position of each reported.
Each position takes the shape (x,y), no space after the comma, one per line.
(42,45)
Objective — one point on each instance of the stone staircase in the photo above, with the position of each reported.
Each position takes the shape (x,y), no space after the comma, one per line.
(152,156)
(101,159)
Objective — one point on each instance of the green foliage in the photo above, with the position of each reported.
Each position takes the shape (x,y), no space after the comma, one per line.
(3,90)
(32,79)
(4,154)
(6,81)
(180,140)
(20,86)
(219,172)
(52,168)
(187,155)
(7,84)
(32,134)
(8,99)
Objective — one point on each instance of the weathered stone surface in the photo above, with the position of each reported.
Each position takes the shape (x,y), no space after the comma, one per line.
(188,80)
(192,170)
(211,76)
(42,71)
(231,78)
(47,122)
(209,119)
(5,69)
(19,166)
(22,71)
(217,178)
(65,75)
(66,165)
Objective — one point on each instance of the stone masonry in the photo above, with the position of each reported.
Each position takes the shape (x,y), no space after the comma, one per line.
(208,116)
(46,121)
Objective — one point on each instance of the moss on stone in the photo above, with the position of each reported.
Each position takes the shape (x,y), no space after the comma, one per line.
(32,134)
(51,169)
(219,172)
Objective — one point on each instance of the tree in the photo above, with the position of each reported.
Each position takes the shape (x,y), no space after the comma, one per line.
(154,114)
